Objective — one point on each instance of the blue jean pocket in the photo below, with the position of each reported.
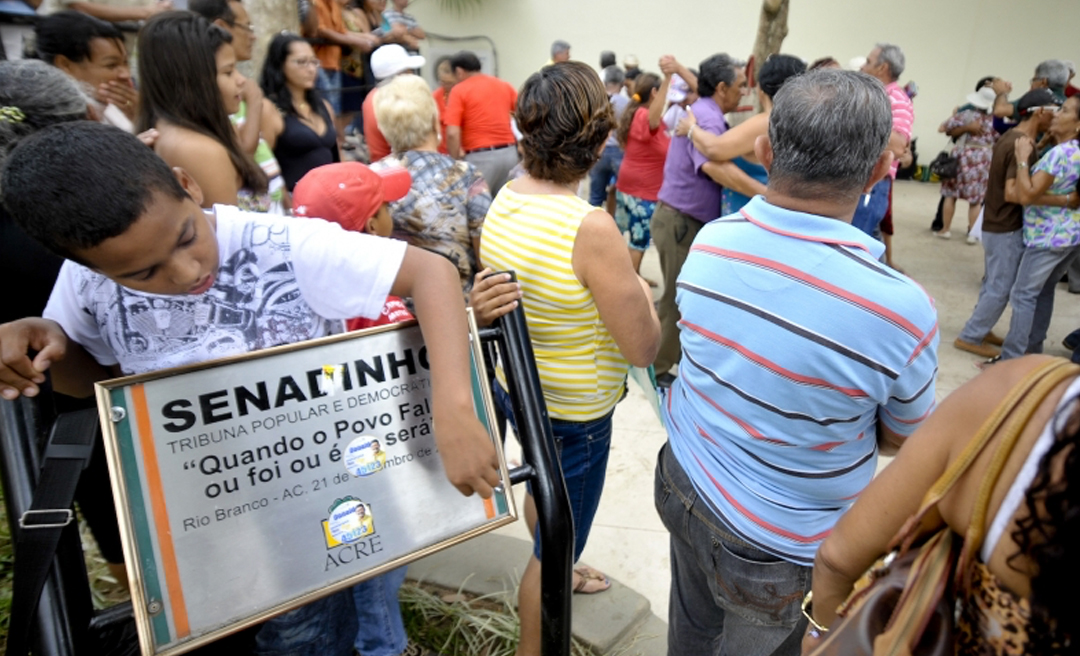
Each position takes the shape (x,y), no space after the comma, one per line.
(759,587)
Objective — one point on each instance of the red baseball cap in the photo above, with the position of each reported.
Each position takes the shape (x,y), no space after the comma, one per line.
(349,193)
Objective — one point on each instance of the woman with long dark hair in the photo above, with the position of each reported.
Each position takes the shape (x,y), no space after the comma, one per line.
(1019,600)
(297,123)
(188,86)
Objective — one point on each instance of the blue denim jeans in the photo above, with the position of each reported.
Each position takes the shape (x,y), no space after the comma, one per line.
(1002,252)
(381,631)
(329,85)
(326,627)
(603,173)
(870,211)
(728,598)
(1032,298)
(583,448)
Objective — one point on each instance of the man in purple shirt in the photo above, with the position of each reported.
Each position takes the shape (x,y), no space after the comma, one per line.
(690,195)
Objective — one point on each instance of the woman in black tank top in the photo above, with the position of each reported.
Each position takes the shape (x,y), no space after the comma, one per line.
(297,123)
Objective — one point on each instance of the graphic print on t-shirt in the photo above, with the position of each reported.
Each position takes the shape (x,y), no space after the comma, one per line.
(255,303)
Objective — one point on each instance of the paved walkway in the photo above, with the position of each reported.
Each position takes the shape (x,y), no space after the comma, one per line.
(629,543)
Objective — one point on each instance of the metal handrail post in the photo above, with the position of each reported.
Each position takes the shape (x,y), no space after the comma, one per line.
(554,519)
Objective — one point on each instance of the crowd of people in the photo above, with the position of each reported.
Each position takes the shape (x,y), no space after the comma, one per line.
(1019,169)
(789,352)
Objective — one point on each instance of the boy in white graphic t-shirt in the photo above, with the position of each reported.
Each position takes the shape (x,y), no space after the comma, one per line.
(153,281)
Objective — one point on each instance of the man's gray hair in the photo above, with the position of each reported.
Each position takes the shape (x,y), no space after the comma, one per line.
(614,75)
(892,56)
(1055,71)
(828,128)
(38,96)
(719,68)
(559,46)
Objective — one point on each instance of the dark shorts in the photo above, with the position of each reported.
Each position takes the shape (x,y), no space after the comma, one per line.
(583,448)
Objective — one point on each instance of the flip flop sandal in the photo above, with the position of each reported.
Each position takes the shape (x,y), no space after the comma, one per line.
(589,575)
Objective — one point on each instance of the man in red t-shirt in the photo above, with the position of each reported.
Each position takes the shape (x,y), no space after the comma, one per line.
(478,121)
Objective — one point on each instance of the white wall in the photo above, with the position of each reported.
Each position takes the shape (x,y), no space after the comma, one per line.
(949,44)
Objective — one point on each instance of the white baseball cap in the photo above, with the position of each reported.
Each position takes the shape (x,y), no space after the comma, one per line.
(392,59)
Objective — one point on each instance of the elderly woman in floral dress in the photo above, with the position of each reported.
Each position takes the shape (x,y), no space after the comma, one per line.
(975,127)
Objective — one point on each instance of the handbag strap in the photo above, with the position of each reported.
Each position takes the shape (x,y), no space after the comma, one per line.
(70,446)
(930,572)
(1011,435)
(909,532)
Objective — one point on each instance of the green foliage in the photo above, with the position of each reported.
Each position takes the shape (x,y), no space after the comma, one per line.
(7,569)
(460,7)
(453,624)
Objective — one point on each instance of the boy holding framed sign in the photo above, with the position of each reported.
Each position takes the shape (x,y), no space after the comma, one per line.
(152,281)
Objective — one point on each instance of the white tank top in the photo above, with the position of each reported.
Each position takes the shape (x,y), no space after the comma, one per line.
(1017,491)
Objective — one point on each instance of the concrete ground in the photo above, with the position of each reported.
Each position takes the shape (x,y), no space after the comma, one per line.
(628,541)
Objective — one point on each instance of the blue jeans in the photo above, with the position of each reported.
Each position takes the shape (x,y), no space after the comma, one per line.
(869,214)
(329,85)
(727,597)
(603,173)
(1002,252)
(1032,298)
(381,631)
(325,627)
(583,448)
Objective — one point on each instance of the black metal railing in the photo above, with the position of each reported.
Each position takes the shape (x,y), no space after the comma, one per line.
(543,470)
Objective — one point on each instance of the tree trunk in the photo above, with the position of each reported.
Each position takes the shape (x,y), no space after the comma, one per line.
(772,28)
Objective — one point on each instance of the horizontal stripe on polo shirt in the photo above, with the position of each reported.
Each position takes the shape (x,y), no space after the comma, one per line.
(796,340)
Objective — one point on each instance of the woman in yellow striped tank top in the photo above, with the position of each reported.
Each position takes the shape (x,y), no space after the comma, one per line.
(589,314)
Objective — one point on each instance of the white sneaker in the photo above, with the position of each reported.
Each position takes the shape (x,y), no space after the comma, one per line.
(971,239)
(943,235)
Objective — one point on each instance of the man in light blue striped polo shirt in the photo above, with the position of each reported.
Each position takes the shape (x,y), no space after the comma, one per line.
(803,358)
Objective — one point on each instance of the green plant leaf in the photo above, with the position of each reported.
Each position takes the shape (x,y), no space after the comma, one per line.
(460,7)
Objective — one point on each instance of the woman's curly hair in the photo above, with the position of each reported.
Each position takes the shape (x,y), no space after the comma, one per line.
(565,116)
(1049,539)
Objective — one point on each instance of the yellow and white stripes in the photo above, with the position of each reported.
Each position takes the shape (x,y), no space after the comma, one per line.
(581,370)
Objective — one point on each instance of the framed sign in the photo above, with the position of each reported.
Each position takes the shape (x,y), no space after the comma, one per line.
(252,485)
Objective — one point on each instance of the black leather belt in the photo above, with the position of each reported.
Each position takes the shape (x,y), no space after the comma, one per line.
(482,150)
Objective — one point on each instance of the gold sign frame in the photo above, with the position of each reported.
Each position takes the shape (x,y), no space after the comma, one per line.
(149,536)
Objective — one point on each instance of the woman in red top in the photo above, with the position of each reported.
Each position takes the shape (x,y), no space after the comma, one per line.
(641,133)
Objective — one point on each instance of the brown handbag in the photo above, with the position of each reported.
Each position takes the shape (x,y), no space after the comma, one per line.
(905,603)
